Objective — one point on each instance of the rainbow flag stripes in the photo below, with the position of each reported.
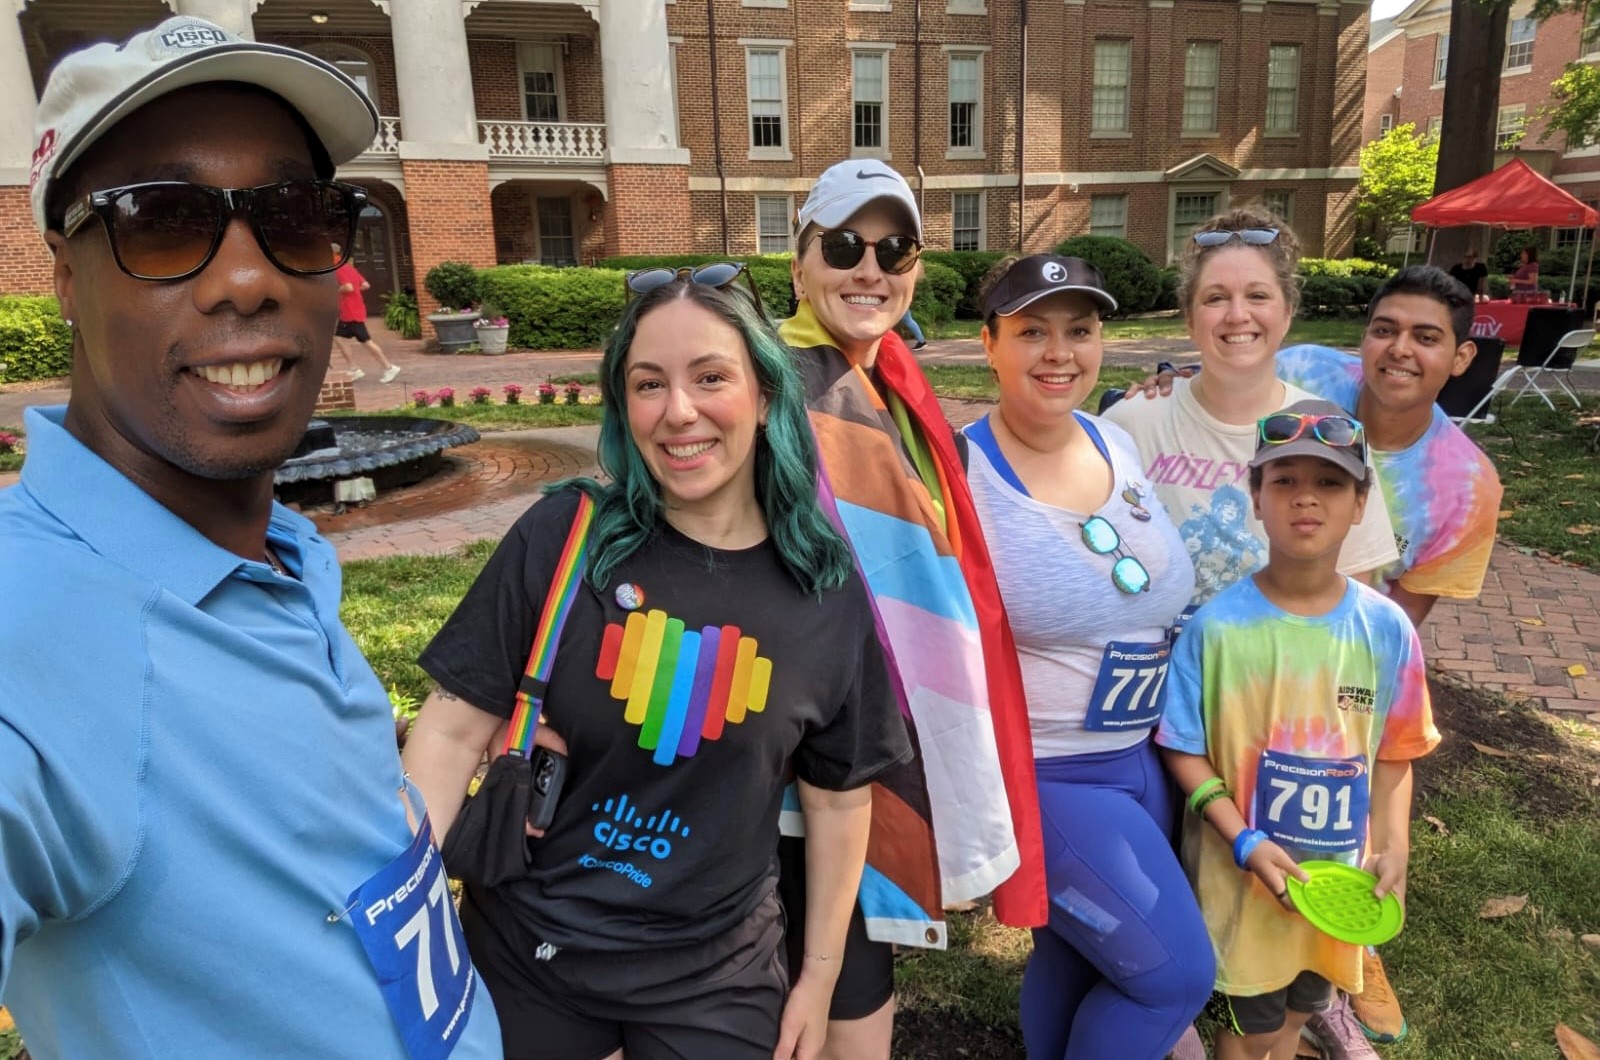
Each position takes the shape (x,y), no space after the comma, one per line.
(681,686)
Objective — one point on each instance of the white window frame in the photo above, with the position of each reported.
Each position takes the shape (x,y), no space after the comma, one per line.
(764,3)
(1385,123)
(523,66)
(870,5)
(1273,197)
(1589,36)
(781,152)
(1267,126)
(572,223)
(881,52)
(1517,113)
(952,53)
(674,44)
(1435,124)
(788,222)
(983,218)
(966,7)
(340,55)
(1219,193)
(1519,52)
(1125,127)
(1119,230)
(1189,74)
(1441,58)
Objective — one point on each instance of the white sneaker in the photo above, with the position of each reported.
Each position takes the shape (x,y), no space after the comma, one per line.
(389,374)
(356,373)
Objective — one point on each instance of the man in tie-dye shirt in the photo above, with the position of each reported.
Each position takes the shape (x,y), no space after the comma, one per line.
(1442,492)
(1326,706)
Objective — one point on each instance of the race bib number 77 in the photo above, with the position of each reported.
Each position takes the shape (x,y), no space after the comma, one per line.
(408,926)
(1130,689)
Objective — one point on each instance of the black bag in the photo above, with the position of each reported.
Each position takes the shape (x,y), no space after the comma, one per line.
(487,844)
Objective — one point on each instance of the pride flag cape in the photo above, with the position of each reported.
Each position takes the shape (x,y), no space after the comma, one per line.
(918,545)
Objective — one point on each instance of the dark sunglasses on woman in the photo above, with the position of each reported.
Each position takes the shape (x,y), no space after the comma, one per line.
(170,229)
(843,249)
(1255,237)
(718,274)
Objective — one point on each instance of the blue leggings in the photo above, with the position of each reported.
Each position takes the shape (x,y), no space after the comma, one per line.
(1126,963)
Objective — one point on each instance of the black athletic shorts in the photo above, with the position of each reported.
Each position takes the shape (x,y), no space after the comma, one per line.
(1265,1013)
(715,1000)
(866,971)
(354,329)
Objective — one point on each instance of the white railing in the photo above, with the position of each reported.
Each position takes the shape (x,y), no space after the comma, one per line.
(387,142)
(543,141)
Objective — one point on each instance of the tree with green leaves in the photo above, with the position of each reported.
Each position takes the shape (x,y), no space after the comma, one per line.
(1575,109)
(1397,173)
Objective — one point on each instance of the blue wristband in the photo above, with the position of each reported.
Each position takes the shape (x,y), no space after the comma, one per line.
(1245,843)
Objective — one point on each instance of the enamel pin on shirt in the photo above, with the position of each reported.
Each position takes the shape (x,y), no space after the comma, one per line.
(630,597)
(1134,495)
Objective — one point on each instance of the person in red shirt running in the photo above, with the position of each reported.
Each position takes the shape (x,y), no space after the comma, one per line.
(353,322)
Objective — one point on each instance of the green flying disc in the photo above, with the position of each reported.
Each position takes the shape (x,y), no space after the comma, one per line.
(1338,901)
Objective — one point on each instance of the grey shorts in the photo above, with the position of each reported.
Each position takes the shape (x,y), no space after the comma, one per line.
(1265,1013)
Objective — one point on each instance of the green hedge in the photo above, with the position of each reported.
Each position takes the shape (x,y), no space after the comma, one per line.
(555,309)
(35,343)
(769,271)
(973,265)
(1133,281)
(1329,296)
(938,293)
(1345,267)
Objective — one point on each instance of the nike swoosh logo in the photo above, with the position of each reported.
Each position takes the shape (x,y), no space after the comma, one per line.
(862,174)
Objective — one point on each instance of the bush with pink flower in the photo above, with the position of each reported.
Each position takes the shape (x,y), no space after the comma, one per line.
(479,395)
(513,393)
(421,398)
(446,397)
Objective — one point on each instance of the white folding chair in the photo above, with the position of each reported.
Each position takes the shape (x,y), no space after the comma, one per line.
(1558,366)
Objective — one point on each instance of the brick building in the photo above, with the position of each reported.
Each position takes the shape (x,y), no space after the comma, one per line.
(1406,71)
(561,132)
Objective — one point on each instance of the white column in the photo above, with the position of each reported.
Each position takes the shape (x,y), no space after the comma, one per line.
(231,15)
(438,119)
(17,101)
(636,74)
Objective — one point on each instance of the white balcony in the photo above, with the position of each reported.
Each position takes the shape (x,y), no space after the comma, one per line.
(544,141)
(532,142)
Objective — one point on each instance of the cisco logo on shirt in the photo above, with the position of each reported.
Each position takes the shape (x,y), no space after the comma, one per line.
(623,828)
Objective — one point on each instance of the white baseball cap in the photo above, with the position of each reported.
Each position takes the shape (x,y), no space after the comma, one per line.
(845,188)
(91,90)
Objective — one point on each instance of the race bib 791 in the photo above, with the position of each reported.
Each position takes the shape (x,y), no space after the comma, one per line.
(1317,805)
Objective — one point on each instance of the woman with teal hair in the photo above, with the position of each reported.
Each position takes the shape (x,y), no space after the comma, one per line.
(719,640)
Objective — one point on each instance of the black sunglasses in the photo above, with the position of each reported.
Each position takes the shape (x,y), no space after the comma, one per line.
(170,230)
(718,274)
(844,249)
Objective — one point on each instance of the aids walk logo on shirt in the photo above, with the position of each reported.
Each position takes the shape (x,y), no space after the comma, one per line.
(681,686)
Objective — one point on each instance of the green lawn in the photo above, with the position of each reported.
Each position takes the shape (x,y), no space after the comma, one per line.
(976,381)
(1551,476)
(1342,332)
(518,417)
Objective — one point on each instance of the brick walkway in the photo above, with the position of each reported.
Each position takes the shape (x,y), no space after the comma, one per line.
(1534,620)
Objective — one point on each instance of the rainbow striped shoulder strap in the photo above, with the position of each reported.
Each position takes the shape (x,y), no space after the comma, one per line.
(547,635)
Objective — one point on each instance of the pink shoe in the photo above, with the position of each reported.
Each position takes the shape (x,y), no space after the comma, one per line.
(1340,1034)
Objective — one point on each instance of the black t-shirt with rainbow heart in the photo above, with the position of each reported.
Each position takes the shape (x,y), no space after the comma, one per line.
(685,689)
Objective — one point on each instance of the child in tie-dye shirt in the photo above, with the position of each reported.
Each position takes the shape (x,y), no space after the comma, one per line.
(1442,492)
(1296,701)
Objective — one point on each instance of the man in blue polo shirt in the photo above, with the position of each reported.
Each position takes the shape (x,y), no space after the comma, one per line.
(207,846)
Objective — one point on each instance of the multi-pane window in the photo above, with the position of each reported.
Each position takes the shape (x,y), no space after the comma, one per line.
(966,101)
(764,78)
(1281,203)
(1589,45)
(772,224)
(1113,67)
(1201,64)
(1441,57)
(1283,88)
(556,244)
(1189,211)
(1435,124)
(541,82)
(868,85)
(1571,237)
(1108,215)
(966,220)
(1385,123)
(1508,126)
(1519,44)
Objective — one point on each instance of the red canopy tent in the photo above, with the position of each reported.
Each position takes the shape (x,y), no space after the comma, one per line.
(1513,196)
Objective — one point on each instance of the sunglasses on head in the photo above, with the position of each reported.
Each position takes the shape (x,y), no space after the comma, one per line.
(1127,573)
(718,274)
(1339,432)
(170,229)
(843,249)
(1255,237)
